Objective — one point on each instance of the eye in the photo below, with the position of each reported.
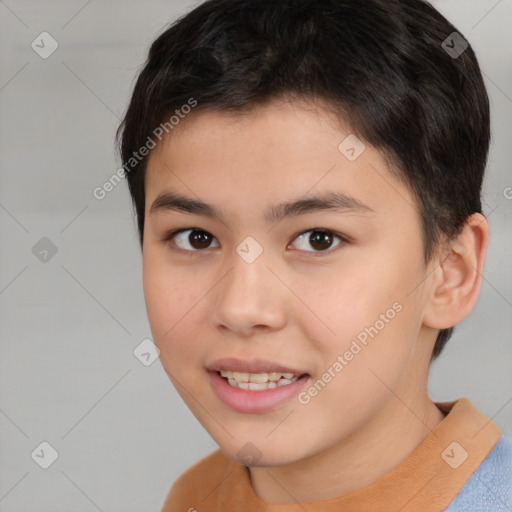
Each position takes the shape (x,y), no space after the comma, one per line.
(320,239)
(191,240)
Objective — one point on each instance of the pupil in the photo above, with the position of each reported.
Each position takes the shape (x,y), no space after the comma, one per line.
(322,238)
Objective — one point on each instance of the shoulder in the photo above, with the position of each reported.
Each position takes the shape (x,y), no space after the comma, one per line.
(490,487)
(497,467)
(194,485)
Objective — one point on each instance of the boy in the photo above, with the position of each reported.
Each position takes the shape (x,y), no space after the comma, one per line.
(307,178)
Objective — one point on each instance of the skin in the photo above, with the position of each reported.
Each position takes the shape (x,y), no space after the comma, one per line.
(296,304)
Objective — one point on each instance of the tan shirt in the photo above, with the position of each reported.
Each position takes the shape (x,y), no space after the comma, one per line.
(427,481)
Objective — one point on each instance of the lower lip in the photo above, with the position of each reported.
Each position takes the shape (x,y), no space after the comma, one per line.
(244,400)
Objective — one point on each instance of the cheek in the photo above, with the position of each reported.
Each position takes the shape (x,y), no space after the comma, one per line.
(344,303)
(173,306)
(358,365)
(369,317)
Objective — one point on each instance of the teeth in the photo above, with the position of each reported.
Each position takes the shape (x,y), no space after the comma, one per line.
(240,377)
(254,386)
(258,378)
(258,381)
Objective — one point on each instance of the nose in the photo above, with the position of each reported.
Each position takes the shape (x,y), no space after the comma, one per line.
(250,299)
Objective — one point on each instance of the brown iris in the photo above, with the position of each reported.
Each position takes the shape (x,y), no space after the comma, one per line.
(320,240)
(200,239)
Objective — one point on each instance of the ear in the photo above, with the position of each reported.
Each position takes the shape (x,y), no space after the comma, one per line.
(457,276)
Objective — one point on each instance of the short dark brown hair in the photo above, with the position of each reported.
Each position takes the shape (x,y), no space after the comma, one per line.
(384,65)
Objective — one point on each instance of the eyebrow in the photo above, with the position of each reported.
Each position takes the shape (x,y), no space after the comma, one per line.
(335,201)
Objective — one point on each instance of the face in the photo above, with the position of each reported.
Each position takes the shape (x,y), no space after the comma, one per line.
(331,290)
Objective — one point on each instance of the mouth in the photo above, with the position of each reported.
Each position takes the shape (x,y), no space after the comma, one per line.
(258,381)
(257,386)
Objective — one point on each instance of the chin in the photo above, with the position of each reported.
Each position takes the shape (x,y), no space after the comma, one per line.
(256,454)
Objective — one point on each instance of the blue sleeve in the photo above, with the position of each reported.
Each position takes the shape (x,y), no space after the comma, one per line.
(490,487)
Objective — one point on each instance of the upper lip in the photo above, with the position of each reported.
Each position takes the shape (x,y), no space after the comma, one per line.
(251,366)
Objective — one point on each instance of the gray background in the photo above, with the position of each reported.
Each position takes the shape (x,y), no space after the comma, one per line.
(68,326)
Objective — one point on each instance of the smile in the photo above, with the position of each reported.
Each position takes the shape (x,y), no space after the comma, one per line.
(237,391)
(258,381)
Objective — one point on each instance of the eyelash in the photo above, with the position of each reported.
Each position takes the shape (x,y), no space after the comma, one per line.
(343,241)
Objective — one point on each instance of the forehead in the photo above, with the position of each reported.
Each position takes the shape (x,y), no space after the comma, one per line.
(247,161)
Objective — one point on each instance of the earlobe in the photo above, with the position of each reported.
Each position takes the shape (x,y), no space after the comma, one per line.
(458,275)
